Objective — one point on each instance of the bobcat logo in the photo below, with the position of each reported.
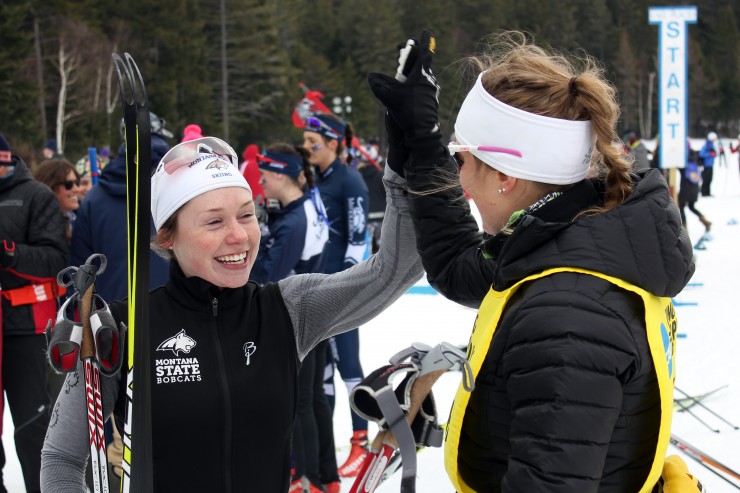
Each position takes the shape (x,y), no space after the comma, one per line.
(218,164)
(180,342)
(356,217)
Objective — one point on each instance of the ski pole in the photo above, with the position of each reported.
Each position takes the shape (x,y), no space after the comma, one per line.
(702,405)
(385,443)
(697,397)
(684,408)
(98,456)
(705,460)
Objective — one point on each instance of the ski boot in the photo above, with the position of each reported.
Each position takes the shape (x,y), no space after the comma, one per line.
(357,454)
(303,485)
(334,487)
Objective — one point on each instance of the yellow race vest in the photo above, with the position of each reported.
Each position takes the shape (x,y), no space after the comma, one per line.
(660,320)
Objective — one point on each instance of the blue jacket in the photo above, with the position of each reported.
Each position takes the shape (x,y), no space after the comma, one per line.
(292,244)
(101,227)
(346,199)
(708,153)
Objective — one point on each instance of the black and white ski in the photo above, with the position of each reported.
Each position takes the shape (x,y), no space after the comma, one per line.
(137,436)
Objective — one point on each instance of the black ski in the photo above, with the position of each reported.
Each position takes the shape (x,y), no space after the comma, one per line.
(137,437)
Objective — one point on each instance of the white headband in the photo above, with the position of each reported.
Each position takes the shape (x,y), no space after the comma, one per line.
(553,150)
(190,169)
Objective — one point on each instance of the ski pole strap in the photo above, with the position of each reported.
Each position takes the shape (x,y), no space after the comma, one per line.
(409,411)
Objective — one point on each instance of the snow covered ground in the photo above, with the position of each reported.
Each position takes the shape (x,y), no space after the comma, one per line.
(707,350)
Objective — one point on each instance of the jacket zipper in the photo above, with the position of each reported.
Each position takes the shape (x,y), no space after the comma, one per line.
(227,400)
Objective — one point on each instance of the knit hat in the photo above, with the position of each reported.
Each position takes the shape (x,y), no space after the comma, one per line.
(190,169)
(5,153)
(326,126)
(51,144)
(278,162)
(191,132)
(712,136)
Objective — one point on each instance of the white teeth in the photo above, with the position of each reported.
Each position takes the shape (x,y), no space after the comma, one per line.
(232,258)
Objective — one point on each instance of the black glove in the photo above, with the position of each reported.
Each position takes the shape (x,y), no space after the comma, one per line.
(412,103)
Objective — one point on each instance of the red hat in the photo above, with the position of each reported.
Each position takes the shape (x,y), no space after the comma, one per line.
(191,132)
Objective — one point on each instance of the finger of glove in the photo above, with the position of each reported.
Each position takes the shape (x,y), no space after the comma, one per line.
(408,53)
(427,46)
(382,87)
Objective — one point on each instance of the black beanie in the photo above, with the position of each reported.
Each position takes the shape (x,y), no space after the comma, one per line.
(5,155)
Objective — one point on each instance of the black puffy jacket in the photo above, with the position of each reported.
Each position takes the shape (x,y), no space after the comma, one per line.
(567,398)
(31,217)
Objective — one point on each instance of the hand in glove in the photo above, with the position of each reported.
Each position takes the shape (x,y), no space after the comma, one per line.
(412,97)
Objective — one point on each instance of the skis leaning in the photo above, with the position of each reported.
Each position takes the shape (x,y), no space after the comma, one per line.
(137,435)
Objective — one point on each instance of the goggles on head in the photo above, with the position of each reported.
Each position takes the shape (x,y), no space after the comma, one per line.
(195,151)
(317,125)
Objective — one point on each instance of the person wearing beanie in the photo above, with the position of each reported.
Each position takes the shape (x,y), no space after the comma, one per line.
(33,249)
(346,197)
(191,132)
(228,388)
(707,155)
(572,353)
(250,169)
(50,150)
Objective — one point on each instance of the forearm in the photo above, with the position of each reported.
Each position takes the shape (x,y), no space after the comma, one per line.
(321,305)
(447,235)
(66,447)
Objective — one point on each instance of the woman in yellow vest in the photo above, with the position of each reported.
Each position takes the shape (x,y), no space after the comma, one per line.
(573,347)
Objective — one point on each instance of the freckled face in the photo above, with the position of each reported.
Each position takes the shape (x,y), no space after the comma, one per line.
(218,236)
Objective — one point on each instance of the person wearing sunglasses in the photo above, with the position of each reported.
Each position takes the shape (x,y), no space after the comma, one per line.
(225,350)
(573,346)
(61,176)
(33,249)
(347,201)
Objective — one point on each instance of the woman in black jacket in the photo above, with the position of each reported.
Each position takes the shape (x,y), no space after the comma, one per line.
(226,352)
(574,339)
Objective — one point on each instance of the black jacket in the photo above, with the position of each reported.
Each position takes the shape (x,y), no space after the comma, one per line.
(205,427)
(31,217)
(567,398)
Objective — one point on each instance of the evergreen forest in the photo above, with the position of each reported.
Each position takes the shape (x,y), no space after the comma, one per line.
(235,66)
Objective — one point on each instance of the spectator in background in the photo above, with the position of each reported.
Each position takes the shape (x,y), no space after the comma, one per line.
(62,178)
(50,150)
(373,178)
(32,251)
(707,155)
(688,194)
(638,151)
(101,225)
(83,171)
(346,198)
(251,173)
(191,132)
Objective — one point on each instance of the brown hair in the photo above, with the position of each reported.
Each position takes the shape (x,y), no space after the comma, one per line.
(54,172)
(165,236)
(526,76)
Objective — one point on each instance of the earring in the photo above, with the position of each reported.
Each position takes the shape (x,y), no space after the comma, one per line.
(501,190)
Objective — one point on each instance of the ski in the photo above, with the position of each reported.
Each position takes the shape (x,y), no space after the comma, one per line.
(137,435)
(706,461)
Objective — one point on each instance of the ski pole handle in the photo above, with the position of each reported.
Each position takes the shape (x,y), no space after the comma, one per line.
(87,348)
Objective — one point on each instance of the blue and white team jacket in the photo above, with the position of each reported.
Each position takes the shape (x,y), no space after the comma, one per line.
(293,242)
(346,199)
